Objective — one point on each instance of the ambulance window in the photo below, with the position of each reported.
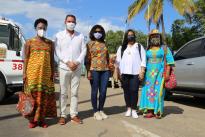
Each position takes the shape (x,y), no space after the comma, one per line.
(17,41)
(4,35)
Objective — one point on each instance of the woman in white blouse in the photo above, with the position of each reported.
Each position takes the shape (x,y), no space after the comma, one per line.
(131,63)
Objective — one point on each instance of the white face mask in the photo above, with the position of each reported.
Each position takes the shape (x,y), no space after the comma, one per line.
(70,26)
(97,35)
(41,33)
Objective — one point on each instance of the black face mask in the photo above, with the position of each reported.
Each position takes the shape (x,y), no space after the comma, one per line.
(131,38)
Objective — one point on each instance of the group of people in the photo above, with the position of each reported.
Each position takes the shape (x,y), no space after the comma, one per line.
(133,65)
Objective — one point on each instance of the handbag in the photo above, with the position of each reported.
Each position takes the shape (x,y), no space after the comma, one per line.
(25,104)
(172,82)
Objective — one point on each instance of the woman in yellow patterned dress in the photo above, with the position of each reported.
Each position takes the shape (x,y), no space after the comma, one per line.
(39,75)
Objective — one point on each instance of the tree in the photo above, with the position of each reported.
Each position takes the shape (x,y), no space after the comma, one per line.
(177,34)
(198,20)
(190,27)
(114,39)
(169,40)
(181,33)
(141,38)
(155,11)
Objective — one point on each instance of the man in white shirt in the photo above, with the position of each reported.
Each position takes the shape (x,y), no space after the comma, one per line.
(70,48)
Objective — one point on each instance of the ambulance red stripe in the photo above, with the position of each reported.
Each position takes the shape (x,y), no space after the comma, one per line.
(3,60)
(17,60)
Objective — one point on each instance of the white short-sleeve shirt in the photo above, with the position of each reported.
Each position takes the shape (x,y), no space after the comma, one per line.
(130,62)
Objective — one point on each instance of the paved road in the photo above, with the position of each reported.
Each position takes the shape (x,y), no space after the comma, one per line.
(184,117)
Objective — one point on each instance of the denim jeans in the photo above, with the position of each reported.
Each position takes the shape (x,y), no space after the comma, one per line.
(130,85)
(99,82)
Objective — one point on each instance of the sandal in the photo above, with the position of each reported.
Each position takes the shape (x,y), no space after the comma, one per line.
(149,115)
(43,124)
(62,121)
(158,116)
(32,124)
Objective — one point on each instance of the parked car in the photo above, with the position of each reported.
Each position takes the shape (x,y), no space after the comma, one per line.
(190,68)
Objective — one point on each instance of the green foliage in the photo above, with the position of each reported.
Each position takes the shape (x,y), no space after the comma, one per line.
(181,33)
(114,39)
(198,20)
(136,7)
(169,40)
(190,28)
(155,11)
(177,34)
(141,38)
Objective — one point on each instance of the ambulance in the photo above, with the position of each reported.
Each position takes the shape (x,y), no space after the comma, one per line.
(11,62)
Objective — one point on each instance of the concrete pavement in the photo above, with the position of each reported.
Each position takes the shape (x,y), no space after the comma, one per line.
(184,117)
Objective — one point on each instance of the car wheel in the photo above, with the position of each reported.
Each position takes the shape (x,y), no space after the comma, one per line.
(2,89)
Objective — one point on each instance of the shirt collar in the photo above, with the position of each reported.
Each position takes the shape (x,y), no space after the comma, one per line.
(74,34)
(134,45)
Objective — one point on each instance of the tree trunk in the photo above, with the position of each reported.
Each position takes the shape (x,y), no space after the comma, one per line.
(163,30)
(157,25)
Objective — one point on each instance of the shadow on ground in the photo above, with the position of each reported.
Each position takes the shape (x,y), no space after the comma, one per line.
(108,110)
(188,101)
(10,100)
(9,116)
(168,110)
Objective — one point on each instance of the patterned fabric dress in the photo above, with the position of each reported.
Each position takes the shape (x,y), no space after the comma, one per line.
(97,57)
(38,78)
(152,96)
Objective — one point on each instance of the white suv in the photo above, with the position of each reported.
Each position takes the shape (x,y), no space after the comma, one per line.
(190,68)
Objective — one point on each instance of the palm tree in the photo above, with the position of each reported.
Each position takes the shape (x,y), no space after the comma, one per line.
(154,11)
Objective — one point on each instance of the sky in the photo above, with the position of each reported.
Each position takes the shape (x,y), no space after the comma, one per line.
(111,14)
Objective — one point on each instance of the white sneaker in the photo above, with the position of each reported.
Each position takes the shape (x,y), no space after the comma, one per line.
(134,114)
(97,116)
(128,113)
(104,116)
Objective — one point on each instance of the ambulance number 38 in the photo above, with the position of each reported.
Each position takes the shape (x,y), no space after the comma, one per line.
(17,66)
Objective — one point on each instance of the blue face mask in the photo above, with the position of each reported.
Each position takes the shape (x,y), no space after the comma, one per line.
(97,35)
